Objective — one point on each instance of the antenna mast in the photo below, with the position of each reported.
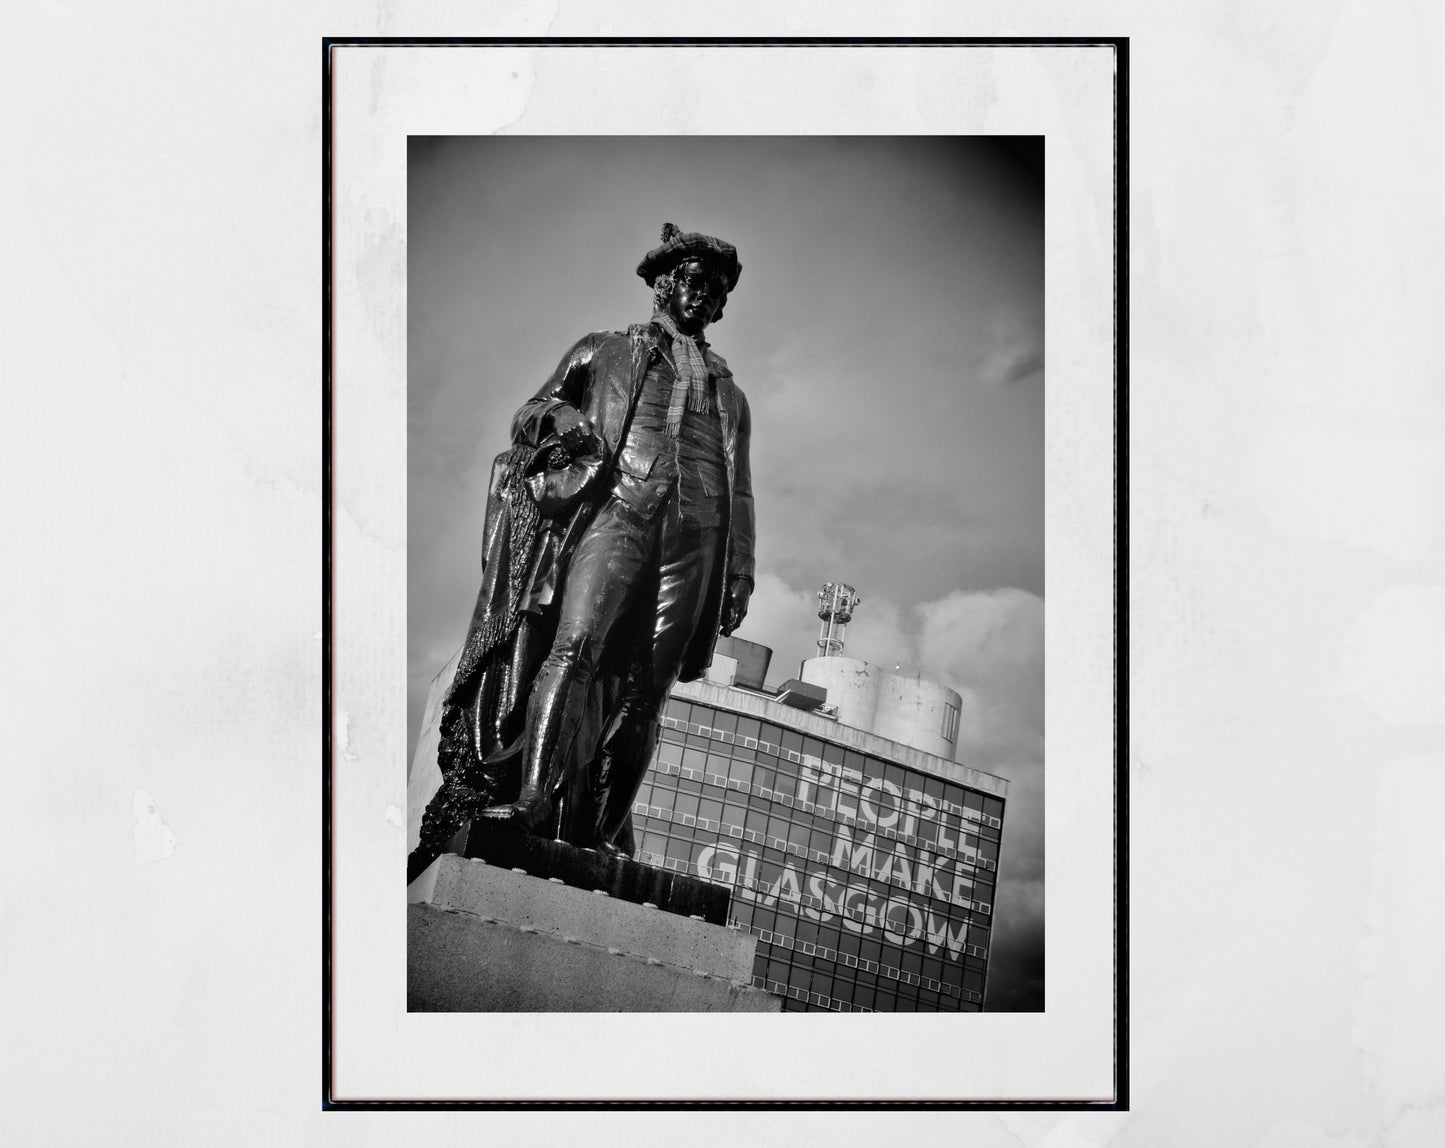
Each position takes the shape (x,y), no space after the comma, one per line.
(836,602)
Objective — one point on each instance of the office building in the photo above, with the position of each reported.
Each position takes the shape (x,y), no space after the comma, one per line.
(866,865)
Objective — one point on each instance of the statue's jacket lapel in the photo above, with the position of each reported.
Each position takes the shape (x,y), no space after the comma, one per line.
(601,376)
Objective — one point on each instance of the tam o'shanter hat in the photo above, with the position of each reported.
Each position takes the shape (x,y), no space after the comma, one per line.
(678,246)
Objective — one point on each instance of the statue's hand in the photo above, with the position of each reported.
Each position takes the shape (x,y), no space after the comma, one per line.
(735,608)
(576,433)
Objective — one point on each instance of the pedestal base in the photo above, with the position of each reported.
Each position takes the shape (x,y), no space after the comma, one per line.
(486,939)
(620,877)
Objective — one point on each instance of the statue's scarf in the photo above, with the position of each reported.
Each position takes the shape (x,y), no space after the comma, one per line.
(690,385)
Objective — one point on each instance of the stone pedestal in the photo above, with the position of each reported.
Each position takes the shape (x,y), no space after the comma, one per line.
(483,938)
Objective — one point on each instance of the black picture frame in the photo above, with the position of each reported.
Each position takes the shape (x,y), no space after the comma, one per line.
(1119,46)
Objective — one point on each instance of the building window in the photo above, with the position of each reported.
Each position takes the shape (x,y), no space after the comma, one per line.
(950,721)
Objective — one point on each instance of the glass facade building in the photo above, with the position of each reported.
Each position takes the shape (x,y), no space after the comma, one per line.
(865,868)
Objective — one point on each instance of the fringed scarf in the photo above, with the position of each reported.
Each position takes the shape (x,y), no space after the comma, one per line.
(690,386)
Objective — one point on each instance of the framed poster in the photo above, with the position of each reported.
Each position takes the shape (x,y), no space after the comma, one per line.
(933,353)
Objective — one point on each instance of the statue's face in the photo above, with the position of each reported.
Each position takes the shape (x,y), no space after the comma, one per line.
(698,294)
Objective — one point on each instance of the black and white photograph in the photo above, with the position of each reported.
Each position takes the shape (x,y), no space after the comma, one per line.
(717,573)
(748,433)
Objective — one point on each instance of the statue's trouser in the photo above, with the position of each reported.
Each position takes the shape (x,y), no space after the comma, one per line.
(621,561)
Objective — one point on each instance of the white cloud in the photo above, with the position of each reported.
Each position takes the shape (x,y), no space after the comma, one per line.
(778,617)
(974,637)
(880,635)
(1012,348)
(990,647)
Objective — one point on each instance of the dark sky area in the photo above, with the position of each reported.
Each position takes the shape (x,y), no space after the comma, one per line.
(888,332)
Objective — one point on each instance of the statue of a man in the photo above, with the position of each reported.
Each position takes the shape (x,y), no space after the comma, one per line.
(618,544)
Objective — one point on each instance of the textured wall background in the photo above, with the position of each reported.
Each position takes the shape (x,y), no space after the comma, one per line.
(160,487)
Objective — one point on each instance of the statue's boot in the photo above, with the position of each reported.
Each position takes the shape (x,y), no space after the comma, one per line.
(627,757)
(533,806)
(559,697)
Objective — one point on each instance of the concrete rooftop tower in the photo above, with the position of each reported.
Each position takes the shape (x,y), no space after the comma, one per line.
(901,708)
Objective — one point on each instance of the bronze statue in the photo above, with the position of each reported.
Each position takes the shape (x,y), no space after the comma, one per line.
(618,544)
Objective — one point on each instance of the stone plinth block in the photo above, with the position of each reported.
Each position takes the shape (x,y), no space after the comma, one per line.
(485,939)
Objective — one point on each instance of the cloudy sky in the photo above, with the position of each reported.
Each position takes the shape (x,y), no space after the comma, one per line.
(888,332)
